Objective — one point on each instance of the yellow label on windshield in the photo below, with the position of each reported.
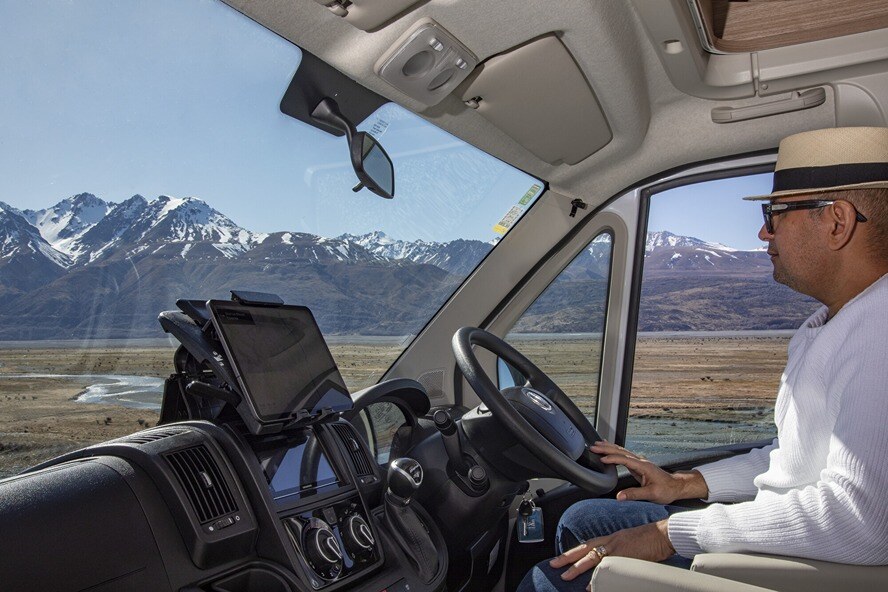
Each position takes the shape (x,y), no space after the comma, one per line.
(509,219)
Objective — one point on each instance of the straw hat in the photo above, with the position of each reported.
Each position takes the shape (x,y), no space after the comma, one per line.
(829,160)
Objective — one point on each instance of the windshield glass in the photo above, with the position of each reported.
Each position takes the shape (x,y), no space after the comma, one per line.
(144,158)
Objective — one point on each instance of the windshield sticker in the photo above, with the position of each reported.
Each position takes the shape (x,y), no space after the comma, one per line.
(515,211)
(513,214)
(530,194)
(379,127)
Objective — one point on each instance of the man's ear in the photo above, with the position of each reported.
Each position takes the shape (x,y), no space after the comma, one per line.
(842,222)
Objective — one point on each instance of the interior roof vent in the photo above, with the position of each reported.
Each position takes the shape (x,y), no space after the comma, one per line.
(203,483)
(152,436)
(349,439)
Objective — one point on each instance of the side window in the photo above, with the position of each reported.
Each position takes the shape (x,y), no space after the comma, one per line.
(380,422)
(561,332)
(713,324)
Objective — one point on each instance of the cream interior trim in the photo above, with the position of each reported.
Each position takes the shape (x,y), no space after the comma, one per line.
(792,574)
(621,574)
(368,14)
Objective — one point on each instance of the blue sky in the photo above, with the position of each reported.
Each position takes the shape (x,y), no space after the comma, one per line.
(713,211)
(182,98)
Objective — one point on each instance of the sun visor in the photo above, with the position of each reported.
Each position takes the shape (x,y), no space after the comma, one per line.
(537,95)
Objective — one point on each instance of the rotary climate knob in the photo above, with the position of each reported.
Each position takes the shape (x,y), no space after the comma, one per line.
(358,537)
(323,551)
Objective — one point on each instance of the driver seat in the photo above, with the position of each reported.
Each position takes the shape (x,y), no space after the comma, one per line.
(736,572)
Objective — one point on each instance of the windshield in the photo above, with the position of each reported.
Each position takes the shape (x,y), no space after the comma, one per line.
(144,158)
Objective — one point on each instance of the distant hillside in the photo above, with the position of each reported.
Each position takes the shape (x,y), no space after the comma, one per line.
(689,285)
(87,268)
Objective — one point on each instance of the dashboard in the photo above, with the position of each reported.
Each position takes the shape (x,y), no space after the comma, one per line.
(199,507)
(254,480)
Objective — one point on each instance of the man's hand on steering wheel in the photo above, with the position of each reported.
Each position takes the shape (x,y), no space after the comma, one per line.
(656,484)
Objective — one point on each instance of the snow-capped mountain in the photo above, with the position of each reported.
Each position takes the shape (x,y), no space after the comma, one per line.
(310,248)
(27,261)
(58,266)
(84,229)
(667,251)
(66,221)
(664,239)
(183,227)
(457,256)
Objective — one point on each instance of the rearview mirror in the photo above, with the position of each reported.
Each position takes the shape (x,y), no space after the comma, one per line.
(371,162)
(372,165)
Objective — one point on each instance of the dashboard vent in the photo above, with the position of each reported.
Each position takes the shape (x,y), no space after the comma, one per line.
(202,482)
(152,436)
(359,458)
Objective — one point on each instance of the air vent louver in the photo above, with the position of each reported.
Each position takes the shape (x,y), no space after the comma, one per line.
(152,436)
(202,482)
(358,457)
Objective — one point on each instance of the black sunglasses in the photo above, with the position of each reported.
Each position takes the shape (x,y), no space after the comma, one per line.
(771,209)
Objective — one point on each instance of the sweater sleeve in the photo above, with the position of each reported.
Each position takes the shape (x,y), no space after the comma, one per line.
(842,517)
(731,479)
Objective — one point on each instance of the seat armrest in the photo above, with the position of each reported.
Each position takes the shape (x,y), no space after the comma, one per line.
(791,574)
(621,574)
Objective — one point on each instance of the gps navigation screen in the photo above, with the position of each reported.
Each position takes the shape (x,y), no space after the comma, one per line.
(299,468)
(281,359)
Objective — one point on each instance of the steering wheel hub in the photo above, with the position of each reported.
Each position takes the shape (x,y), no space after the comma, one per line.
(538,399)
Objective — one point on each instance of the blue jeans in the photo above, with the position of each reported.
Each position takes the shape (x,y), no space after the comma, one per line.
(589,519)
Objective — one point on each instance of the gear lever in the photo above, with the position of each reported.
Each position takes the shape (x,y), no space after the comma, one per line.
(404,479)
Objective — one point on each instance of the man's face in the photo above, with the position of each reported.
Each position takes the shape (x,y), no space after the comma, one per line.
(795,247)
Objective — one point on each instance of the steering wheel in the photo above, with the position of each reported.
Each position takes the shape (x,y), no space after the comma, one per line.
(538,414)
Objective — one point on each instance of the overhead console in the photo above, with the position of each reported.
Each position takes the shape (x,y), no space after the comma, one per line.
(727,50)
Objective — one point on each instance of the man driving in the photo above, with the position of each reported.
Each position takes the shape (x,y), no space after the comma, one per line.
(819,489)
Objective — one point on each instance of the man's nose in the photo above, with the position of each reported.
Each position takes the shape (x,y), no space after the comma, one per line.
(764,234)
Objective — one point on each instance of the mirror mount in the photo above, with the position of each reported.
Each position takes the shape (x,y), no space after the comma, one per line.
(327,111)
(370,161)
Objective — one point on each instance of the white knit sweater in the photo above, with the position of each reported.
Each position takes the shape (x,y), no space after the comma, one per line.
(820,490)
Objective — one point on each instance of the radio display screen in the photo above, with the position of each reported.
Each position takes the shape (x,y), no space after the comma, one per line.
(298,468)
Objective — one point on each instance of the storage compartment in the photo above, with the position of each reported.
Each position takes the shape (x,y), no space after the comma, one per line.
(745,26)
(73,527)
(254,579)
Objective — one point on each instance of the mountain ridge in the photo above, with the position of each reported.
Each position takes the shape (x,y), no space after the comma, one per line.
(110,268)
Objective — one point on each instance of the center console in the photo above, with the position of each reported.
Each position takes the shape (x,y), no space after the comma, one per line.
(325,519)
(335,540)
(325,511)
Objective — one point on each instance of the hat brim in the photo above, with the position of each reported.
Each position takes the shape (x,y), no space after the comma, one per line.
(816,190)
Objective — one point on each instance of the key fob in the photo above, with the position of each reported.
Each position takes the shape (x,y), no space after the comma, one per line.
(530,523)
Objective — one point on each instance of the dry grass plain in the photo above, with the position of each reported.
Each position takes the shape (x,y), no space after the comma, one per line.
(686,378)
